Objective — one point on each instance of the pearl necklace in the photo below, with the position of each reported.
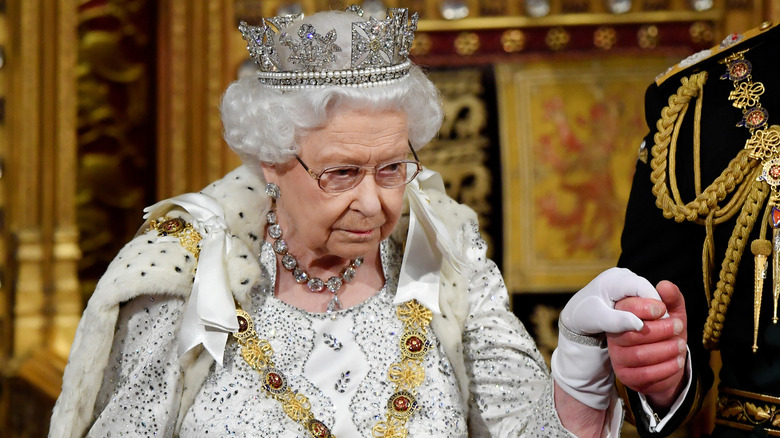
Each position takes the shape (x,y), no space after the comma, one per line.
(315,284)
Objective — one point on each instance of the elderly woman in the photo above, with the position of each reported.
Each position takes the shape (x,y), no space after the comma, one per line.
(328,287)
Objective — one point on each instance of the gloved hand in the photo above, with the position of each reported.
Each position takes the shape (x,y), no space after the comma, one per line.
(580,364)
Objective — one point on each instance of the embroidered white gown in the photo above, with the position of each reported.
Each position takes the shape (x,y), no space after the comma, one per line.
(339,362)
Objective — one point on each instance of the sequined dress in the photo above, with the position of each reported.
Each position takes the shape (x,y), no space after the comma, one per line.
(339,362)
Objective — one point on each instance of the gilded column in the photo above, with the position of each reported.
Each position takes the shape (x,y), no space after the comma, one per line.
(41,171)
(194,69)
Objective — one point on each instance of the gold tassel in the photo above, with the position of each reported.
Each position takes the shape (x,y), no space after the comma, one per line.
(774,219)
(775,272)
(761,249)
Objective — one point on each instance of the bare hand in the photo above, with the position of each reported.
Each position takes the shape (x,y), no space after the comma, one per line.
(652,360)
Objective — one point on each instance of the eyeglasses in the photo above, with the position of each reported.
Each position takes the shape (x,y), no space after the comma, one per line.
(389,175)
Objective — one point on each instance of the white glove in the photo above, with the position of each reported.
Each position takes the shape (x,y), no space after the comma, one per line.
(580,364)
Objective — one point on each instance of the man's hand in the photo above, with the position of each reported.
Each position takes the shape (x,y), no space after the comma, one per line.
(652,360)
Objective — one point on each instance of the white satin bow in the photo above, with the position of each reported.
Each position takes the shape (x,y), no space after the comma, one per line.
(210,316)
(426,243)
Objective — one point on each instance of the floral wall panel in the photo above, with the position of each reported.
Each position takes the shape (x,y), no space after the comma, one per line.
(570,133)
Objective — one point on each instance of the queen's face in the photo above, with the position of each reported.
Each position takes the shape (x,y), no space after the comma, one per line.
(318,224)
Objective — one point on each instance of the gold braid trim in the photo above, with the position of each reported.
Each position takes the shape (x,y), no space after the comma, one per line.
(728,272)
(704,209)
(697,210)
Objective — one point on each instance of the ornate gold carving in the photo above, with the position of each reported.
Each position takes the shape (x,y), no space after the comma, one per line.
(459,153)
(405,374)
(116,129)
(605,37)
(513,40)
(702,32)
(745,410)
(574,6)
(656,5)
(746,94)
(764,143)
(178,228)
(557,38)
(494,7)
(648,37)
(197,37)
(422,44)
(544,320)
(467,43)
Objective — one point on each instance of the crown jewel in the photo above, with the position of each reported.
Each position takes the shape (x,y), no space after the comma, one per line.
(379,52)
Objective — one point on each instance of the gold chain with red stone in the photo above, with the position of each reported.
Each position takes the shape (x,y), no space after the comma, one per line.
(406,374)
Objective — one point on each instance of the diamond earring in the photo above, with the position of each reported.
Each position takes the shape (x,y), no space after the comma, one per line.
(273,191)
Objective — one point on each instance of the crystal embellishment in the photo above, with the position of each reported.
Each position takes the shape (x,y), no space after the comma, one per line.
(272,190)
(379,51)
(289,262)
(314,52)
(315,284)
(275,231)
(300,275)
(349,274)
(333,284)
(373,44)
(280,247)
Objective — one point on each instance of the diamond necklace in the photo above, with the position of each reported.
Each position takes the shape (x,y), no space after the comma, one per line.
(290,263)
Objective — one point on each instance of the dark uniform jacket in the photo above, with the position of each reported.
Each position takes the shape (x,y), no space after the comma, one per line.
(661,248)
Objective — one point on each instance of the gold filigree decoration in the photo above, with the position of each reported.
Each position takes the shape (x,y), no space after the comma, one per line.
(421,45)
(701,32)
(513,40)
(746,94)
(764,143)
(296,406)
(391,428)
(115,80)
(257,353)
(747,410)
(605,37)
(178,228)
(460,152)
(467,43)
(557,38)
(647,37)
(415,315)
(406,374)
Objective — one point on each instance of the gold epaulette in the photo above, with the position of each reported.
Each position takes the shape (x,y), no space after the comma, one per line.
(732,40)
(180,229)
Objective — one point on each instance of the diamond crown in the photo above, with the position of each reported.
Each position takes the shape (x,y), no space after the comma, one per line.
(379,50)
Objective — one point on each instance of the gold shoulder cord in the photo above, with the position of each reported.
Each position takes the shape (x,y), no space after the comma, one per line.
(743,177)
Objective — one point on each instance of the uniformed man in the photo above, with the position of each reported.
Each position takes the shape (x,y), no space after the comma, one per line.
(704,213)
